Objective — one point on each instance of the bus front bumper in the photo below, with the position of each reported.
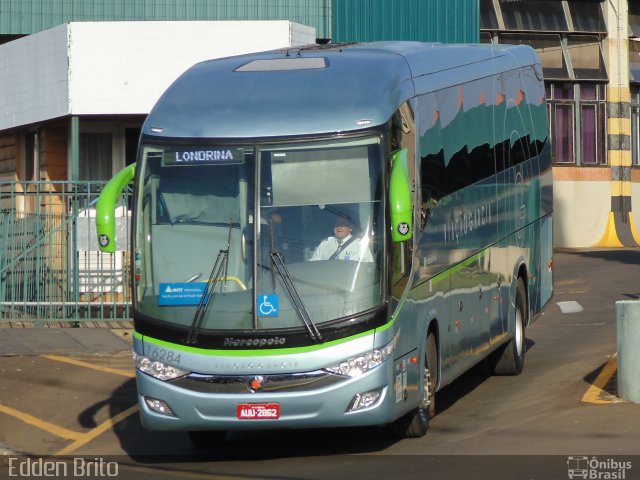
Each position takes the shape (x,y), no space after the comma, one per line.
(330,406)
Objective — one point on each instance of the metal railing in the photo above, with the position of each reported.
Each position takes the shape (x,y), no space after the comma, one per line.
(50,266)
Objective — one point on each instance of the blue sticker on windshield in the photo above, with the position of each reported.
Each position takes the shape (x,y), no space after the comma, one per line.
(172,294)
(268,306)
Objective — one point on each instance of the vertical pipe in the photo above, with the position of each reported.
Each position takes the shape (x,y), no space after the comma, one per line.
(628,343)
(75,177)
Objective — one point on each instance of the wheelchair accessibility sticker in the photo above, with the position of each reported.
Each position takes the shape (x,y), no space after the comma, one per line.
(268,306)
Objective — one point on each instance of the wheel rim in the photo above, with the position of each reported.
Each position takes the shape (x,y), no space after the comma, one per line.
(519,333)
(428,390)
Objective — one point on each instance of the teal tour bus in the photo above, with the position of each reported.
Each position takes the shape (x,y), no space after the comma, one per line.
(327,236)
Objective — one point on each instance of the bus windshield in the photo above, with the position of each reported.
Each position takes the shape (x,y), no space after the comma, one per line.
(256,237)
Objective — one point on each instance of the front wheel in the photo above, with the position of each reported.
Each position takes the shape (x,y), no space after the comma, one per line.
(416,423)
(509,359)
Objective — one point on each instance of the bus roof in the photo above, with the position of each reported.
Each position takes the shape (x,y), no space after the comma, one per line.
(317,89)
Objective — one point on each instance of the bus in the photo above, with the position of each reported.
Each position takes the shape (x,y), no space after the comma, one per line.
(436,160)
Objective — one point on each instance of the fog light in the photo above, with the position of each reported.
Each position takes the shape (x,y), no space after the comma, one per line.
(159,406)
(365,400)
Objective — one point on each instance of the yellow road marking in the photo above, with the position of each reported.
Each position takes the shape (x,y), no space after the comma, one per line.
(42,424)
(99,430)
(79,363)
(79,438)
(599,384)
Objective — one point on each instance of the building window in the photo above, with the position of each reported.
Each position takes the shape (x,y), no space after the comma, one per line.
(634,18)
(587,16)
(96,156)
(593,110)
(552,58)
(31,157)
(586,57)
(532,15)
(488,18)
(634,59)
(577,114)
(562,121)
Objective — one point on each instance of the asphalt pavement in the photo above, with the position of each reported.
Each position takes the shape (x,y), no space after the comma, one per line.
(62,341)
(67,396)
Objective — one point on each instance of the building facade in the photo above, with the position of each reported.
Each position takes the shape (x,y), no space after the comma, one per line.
(78,79)
(79,143)
(74,96)
(588,60)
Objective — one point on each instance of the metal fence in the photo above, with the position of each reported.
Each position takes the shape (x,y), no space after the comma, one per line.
(50,266)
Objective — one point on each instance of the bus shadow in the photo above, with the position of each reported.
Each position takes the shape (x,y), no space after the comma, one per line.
(468,382)
(159,447)
(626,256)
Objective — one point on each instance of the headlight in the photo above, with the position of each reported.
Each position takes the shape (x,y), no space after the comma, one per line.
(356,366)
(157,369)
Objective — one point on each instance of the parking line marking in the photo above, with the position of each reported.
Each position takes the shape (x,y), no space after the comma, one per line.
(599,384)
(79,363)
(99,430)
(42,424)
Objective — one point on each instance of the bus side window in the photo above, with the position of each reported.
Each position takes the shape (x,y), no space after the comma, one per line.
(433,184)
(433,173)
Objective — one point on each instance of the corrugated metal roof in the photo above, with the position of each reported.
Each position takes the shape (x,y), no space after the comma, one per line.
(30,16)
(450,21)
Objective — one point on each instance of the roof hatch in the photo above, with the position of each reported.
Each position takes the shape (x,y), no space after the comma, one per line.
(280,64)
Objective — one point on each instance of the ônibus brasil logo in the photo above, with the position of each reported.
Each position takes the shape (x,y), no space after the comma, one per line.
(593,468)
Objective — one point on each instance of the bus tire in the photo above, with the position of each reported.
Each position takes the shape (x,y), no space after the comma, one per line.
(207,438)
(416,423)
(509,359)
(411,425)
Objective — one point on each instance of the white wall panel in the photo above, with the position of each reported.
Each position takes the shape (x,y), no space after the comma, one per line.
(123,67)
(33,78)
(106,68)
(581,211)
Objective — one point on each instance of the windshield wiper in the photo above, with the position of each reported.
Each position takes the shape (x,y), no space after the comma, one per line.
(218,272)
(278,261)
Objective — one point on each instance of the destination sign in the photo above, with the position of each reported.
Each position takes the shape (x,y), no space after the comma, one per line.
(203,156)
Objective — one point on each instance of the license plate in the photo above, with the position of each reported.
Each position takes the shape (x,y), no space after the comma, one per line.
(258,411)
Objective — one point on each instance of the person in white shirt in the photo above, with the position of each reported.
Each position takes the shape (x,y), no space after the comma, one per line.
(342,245)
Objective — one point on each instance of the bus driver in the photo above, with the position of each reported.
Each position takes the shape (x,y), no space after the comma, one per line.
(343,245)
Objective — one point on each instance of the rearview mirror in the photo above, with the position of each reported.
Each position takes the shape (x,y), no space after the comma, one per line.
(400,198)
(106,207)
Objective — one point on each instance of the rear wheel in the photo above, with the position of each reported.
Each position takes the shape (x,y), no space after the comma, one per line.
(416,423)
(509,359)
(207,438)
(431,374)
